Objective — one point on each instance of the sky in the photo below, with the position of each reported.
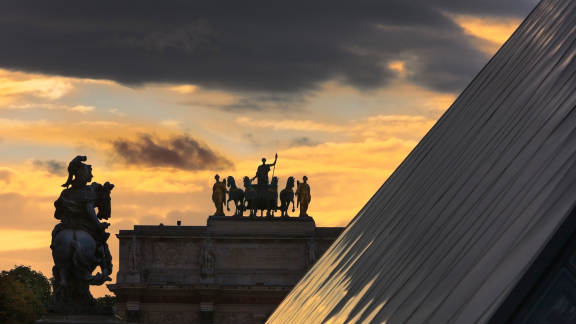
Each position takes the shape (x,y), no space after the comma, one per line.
(162,96)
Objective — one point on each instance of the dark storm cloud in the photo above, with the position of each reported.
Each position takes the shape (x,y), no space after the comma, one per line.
(247,46)
(51,166)
(486,7)
(181,152)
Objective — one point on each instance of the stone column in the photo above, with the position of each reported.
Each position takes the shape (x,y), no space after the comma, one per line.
(207,312)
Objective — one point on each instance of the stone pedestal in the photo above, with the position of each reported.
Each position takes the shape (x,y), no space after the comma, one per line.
(78,319)
(234,270)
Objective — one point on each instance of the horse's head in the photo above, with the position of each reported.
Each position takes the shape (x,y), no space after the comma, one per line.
(231,181)
(290,182)
(274,181)
(247,182)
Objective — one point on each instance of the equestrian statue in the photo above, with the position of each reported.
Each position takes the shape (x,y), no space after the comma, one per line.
(79,242)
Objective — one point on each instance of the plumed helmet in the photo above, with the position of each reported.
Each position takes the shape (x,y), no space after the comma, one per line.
(73,167)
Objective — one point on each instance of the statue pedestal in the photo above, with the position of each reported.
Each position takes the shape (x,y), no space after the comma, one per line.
(261,225)
(78,319)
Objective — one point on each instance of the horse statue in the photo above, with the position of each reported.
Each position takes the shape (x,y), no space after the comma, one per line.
(261,197)
(237,195)
(79,240)
(249,196)
(270,203)
(287,197)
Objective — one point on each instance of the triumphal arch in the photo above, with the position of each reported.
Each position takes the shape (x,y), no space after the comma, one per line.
(236,269)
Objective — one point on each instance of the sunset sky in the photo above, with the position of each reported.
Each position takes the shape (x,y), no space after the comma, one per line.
(162,96)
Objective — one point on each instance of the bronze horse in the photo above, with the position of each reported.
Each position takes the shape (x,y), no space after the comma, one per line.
(287,197)
(261,197)
(237,195)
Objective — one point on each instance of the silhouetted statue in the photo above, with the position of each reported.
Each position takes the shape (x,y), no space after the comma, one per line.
(270,198)
(71,167)
(262,172)
(237,195)
(249,196)
(79,240)
(219,195)
(287,196)
(304,197)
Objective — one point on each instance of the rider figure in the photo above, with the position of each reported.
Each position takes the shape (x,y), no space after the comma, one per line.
(262,172)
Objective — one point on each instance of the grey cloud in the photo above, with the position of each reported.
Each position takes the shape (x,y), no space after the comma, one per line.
(266,102)
(188,39)
(486,7)
(51,166)
(303,141)
(252,139)
(181,152)
(247,47)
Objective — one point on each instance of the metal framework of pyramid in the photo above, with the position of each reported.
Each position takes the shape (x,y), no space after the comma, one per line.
(477,224)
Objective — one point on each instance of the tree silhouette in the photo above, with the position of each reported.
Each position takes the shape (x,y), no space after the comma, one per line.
(24,295)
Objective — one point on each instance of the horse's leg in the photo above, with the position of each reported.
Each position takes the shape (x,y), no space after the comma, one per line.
(62,292)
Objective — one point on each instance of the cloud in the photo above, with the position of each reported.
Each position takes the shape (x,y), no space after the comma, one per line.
(287,124)
(93,133)
(6,175)
(303,141)
(266,102)
(18,85)
(486,7)
(189,39)
(376,127)
(181,152)
(27,212)
(50,106)
(28,239)
(51,166)
(250,47)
